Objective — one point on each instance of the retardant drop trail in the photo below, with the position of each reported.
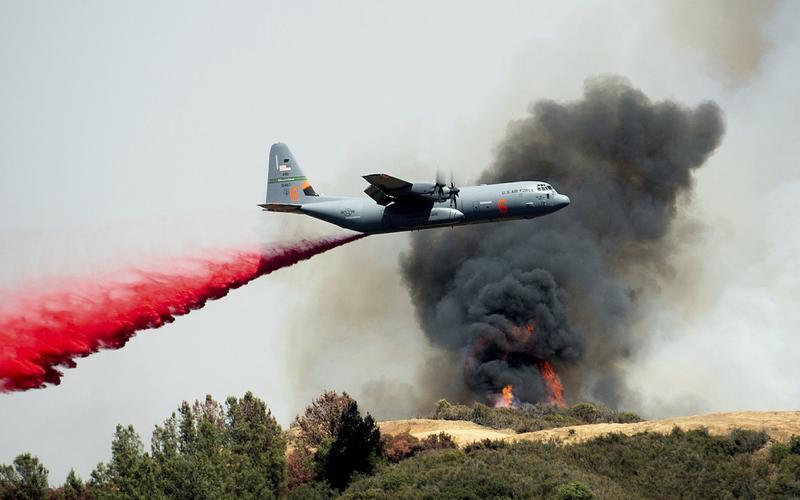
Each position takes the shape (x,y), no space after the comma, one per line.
(41,332)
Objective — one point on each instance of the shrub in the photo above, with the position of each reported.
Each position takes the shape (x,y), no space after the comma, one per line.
(531,417)
(441,441)
(627,417)
(787,480)
(747,441)
(401,446)
(573,491)
(485,444)
(777,452)
(313,490)
(794,445)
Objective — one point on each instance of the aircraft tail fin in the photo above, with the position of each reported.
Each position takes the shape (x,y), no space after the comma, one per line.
(286,184)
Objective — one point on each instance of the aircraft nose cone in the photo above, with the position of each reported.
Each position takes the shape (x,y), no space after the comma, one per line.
(562,201)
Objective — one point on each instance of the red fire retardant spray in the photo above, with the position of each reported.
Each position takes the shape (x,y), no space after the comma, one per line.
(41,332)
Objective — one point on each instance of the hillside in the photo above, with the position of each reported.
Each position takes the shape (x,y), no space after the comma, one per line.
(779,425)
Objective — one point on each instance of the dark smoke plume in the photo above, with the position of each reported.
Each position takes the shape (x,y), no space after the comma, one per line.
(41,332)
(503,298)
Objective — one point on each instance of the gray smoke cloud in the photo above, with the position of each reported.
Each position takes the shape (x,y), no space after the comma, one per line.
(729,33)
(574,276)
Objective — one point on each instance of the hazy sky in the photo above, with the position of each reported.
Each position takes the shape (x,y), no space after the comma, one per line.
(134,131)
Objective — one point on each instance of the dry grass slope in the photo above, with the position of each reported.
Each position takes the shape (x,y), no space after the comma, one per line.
(779,425)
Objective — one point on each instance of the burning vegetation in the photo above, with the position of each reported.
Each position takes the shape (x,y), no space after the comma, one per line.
(553,383)
(525,337)
(506,398)
(521,302)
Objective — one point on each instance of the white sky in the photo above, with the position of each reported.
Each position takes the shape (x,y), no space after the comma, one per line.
(131,131)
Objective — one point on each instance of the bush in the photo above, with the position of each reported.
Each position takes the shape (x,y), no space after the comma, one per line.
(787,480)
(313,490)
(777,452)
(682,464)
(747,441)
(441,441)
(401,446)
(573,491)
(794,445)
(532,417)
(486,444)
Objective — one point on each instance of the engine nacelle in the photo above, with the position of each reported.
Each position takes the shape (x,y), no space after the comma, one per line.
(442,214)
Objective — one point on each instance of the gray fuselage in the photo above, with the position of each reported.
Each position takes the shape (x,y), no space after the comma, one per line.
(474,205)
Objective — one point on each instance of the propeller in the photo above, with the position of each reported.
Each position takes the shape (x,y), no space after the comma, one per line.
(453,192)
(440,178)
(439,184)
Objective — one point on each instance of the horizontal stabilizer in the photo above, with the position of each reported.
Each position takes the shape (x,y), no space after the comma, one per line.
(280,207)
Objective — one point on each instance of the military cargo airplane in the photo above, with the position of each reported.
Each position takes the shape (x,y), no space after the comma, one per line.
(398,205)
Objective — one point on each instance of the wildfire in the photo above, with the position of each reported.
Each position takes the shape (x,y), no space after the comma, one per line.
(518,341)
(506,398)
(553,383)
(523,334)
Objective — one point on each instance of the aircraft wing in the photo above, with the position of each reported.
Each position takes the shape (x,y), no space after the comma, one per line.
(385,189)
(387,182)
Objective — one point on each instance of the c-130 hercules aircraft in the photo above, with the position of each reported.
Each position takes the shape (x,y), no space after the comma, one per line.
(398,205)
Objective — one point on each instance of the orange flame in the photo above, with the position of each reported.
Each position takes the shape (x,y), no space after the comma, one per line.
(506,398)
(553,383)
(523,334)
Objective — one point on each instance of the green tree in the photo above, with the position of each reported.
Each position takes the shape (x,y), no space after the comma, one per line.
(211,455)
(131,471)
(210,451)
(188,435)
(73,486)
(25,479)
(258,447)
(174,468)
(99,478)
(191,452)
(356,448)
